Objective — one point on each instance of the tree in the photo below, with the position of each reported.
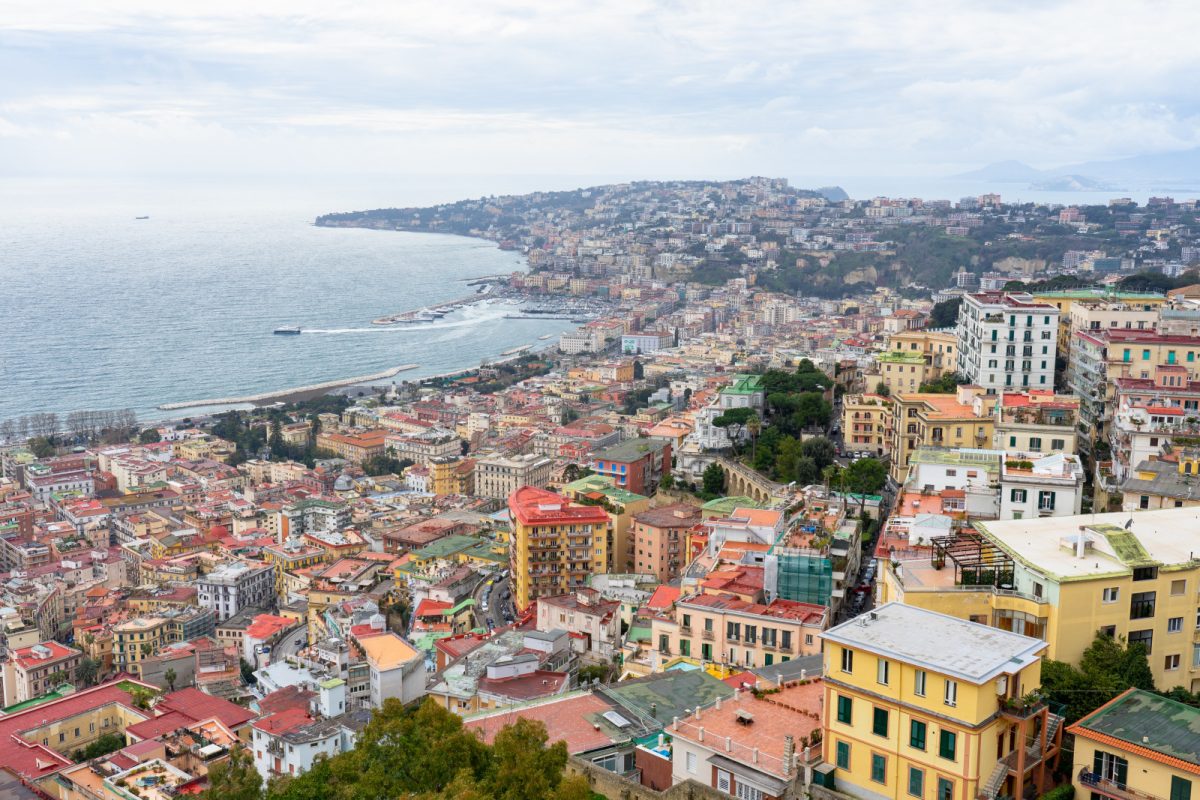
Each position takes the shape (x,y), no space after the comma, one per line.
(864,477)
(522,765)
(141,696)
(169,676)
(1107,668)
(235,778)
(40,446)
(146,649)
(735,419)
(754,428)
(714,480)
(58,678)
(820,450)
(667,482)
(945,313)
(881,388)
(639,371)
(149,436)
(947,383)
(88,671)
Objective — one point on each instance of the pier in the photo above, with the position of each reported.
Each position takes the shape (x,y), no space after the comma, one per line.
(442,308)
(315,387)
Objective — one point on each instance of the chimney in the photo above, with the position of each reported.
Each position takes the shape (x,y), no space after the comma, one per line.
(701,735)
(718,705)
(728,745)
(675,722)
(654,710)
(754,755)
(789,753)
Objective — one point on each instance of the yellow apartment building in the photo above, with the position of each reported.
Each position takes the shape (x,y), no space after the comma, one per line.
(866,423)
(1065,579)
(937,420)
(924,705)
(1140,745)
(621,505)
(135,639)
(555,544)
(1066,300)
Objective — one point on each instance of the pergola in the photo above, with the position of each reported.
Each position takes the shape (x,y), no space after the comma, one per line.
(977,561)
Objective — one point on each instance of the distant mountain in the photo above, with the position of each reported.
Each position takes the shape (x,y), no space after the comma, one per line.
(1175,167)
(1005,172)
(1072,183)
(834,194)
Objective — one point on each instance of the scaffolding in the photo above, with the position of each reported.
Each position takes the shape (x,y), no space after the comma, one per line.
(801,574)
(977,561)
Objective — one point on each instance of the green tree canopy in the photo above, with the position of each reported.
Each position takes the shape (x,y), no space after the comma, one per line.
(714,480)
(1107,668)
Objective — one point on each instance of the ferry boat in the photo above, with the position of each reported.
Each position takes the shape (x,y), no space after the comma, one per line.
(287,330)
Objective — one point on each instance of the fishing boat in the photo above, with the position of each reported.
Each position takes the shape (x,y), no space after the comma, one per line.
(287,330)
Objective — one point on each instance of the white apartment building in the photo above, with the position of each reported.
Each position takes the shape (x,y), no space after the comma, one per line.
(1007,341)
(1040,486)
(498,476)
(231,587)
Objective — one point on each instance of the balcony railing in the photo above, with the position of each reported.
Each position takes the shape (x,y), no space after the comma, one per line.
(1020,708)
(1111,788)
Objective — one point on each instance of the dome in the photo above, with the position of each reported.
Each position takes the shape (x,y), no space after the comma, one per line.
(218,532)
(343,483)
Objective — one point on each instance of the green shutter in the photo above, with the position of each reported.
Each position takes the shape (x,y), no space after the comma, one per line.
(843,755)
(878,768)
(916,782)
(947,745)
(916,737)
(880,722)
(1181,788)
(845,709)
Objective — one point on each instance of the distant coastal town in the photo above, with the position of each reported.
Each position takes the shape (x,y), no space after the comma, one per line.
(816,497)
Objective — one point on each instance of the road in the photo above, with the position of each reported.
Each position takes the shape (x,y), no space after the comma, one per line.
(491,591)
(291,643)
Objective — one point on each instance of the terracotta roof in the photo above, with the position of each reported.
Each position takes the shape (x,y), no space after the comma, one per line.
(567,720)
(198,705)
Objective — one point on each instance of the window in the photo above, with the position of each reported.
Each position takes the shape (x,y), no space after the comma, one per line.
(723,780)
(1108,767)
(1171,662)
(1017,495)
(1175,625)
(1181,788)
(878,768)
(950,697)
(664,643)
(785,640)
(706,651)
(879,723)
(919,675)
(1141,605)
(1058,444)
(1145,637)
(1035,443)
(1046,501)
(881,675)
(945,789)
(1112,593)
(1178,588)
(685,647)
(1108,630)
(916,734)
(947,744)
(747,792)
(687,620)
(916,782)
(708,624)
(691,763)
(843,755)
(845,709)
(847,660)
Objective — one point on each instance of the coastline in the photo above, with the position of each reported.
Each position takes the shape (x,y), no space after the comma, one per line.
(296,392)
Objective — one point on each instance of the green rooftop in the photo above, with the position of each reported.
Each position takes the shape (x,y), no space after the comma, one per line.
(1145,719)
(962,456)
(1099,294)
(900,357)
(1124,544)
(671,693)
(744,384)
(57,694)
(446,547)
(631,450)
(724,506)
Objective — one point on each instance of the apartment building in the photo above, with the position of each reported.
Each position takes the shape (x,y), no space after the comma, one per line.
(937,420)
(1100,359)
(1139,745)
(1007,341)
(354,447)
(728,630)
(1065,579)
(498,476)
(555,544)
(621,506)
(1033,485)
(1168,483)
(593,623)
(1093,305)
(636,465)
(30,672)
(866,423)
(234,586)
(424,446)
(920,704)
(660,540)
(1036,421)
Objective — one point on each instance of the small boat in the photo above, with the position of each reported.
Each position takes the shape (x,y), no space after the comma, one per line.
(288,330)
(147,217)
(544,338)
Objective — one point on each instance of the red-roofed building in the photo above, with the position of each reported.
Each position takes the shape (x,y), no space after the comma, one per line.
(593,622)
(27,672)
(556,544)
(198,705)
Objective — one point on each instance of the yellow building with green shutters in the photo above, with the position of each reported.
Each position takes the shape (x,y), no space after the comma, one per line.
(925,705)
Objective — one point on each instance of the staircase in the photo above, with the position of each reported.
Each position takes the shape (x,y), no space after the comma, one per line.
(991,787)
(1047,736)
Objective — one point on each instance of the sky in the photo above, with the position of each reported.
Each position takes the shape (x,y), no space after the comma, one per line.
(171,90)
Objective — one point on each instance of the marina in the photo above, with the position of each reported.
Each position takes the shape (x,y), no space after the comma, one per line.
(431,313)
(315,387)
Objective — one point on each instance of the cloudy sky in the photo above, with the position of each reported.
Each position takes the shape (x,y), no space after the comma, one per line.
(656,89)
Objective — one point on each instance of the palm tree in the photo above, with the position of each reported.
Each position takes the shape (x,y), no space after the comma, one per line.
(147,649)
(753,427)
(57,678)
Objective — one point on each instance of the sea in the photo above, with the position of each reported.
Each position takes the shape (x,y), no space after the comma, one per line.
(100,310)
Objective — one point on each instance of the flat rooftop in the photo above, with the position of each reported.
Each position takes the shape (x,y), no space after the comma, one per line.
(1164,537)
(937,642)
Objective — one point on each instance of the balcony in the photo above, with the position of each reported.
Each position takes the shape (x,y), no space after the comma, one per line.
(1020,708)
(1110,788)
(708,635)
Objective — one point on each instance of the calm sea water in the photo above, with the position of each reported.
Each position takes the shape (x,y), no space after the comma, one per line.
(101,311)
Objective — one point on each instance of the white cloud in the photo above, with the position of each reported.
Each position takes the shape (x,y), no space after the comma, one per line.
(664,88)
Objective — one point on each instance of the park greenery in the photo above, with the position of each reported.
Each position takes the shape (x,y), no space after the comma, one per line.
(422,752)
